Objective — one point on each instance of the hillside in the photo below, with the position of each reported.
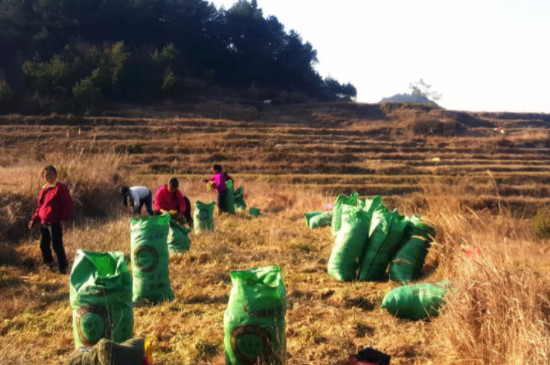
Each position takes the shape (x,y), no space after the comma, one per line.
(479,186)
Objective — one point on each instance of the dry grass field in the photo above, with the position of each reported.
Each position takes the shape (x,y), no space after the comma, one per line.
(481,189)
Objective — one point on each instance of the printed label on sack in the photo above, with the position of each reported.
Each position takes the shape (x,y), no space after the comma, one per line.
(92,324)
(251,343)
(146,258)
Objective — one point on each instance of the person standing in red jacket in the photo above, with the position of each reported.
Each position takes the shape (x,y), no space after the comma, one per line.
(55,207)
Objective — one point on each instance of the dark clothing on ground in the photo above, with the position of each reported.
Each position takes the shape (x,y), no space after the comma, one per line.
(52,235)
(221,200)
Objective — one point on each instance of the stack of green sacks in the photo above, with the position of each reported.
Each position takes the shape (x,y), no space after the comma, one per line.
(178,237)
(318,219)
(101,298)
(149,251)
(254,322)
(416,301)
(369,236)
(409,259)
(239,199)
(204,216)
(229,197)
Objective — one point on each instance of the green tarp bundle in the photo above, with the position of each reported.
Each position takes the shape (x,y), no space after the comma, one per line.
(254,322)
(409,259)
(178,237)
(318,219)
(386,231)
(101,298)
(349,243)
(229,197)
(239,199)
(149,251)
(204,216)
(416,301)
(341,200)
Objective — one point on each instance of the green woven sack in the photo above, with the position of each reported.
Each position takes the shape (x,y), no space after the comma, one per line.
(101,298)
(203,216)
(229,197)
(341,200)
(386,232)
(409,259)
(416,301)
(254,322)
(238,197)
(417,227)
(349,243)
(318,219)
(178,237)
(149,251)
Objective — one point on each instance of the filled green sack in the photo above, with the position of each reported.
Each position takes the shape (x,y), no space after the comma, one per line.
(417,227)
(229,197)
(203,216)
(101,298)
(341,200)
(416,301)
(386,231)
(149,249)
(318,219)
(238,197)
(409,259)
(254,322)
(349,243)
(178,237)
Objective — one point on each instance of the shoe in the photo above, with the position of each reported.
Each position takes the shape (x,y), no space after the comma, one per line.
(63,271)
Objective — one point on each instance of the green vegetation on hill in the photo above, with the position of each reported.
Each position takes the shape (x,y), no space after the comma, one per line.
(80,54)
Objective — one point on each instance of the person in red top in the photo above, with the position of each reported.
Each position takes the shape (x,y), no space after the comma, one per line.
(55,207)
(169,199)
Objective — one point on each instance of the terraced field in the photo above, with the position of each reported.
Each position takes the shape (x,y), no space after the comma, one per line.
(388,150)
(478,187)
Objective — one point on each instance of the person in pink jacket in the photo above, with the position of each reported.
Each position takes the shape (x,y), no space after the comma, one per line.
(169,199)
(55,207)
(218,179)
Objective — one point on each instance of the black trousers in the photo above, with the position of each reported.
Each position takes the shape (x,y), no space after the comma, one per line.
(221,200)
(52,235)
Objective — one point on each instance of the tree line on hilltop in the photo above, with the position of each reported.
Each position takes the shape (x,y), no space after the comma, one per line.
(81,53)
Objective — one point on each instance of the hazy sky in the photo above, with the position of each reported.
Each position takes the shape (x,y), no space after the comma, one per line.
(482,55)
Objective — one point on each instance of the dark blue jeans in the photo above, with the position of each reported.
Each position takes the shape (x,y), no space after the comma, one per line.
(148,202)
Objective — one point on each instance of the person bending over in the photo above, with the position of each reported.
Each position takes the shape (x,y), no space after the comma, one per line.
(137,196)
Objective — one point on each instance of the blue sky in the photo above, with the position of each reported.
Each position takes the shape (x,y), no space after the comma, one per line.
(483,55)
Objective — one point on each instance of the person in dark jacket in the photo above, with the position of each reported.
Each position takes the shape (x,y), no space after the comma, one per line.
(55,207)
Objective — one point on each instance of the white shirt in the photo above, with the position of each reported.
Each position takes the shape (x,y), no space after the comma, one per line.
(138,193)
